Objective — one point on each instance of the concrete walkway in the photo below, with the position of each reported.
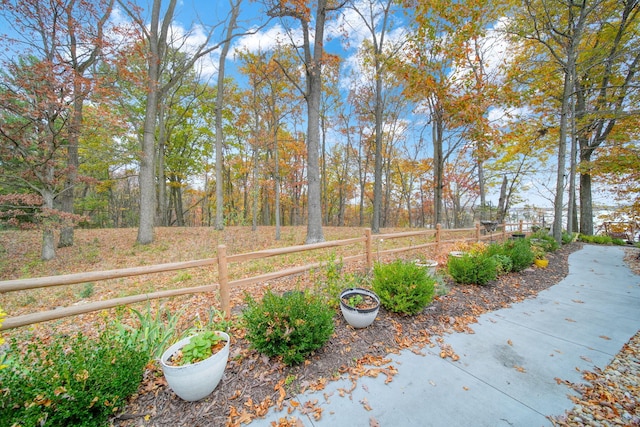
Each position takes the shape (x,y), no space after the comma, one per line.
(506,374)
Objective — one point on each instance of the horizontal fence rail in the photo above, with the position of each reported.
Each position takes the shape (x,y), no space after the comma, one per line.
(224,284)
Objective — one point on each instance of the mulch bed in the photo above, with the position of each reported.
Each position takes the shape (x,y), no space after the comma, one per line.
(254,383)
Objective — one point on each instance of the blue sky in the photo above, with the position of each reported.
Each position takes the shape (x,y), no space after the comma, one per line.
(192,17)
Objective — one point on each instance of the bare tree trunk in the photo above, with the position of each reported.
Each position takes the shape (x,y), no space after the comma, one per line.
(177,192)
(586,198)
(377,168)
(235,11)
(438,169)
(162,208)
(255,191)
(147,173)
(48,245)
(483,201)
(67,197)
(571,213)
(314,88)
(277,183)
(157,38)
(502,201)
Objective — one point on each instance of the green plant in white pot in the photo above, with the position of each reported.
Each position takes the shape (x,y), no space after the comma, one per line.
(430,265)
(359,306)
(194,366)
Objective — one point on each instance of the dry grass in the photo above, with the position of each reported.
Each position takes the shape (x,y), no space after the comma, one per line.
(107,249)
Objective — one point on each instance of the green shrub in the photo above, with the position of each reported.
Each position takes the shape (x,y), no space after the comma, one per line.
(69,381)
(403,287)
(520,253)
(478,268)
(546,241)
(567,237)
(87,290)
(330,284)
(619,242)
(599,240)
(503,263)
(291,326)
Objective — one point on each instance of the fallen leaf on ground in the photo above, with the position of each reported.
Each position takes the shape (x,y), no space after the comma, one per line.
(365,404)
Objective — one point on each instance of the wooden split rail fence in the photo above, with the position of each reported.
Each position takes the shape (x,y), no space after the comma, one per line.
(222,260)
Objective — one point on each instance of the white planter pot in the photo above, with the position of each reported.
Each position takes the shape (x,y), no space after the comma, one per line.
(457,254)
(195,381)
(430,265)
(357,317)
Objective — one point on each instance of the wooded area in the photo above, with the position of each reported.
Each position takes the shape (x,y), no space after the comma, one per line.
(412,117)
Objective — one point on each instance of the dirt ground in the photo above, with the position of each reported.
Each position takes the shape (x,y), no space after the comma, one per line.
(253,383)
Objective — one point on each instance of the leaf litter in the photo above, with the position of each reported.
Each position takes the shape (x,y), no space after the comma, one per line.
(252,383)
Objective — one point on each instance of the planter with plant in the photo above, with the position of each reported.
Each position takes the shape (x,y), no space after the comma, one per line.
(457,254)
(194,366)
(359,306)
(430,265)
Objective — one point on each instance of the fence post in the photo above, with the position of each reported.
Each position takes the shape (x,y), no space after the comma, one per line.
(438,239)
(520,226)
(223,279)
(477,231)
(504,231)
(368,247)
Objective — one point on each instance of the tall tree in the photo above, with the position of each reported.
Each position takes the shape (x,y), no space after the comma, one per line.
(69,32)
(34,109)
(607,91)
(558,28)
(376,16)
(430,69)
(276,101)
(220,99)
(157,37)
(313,58)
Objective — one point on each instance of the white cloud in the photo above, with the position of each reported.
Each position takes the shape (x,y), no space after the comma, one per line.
(352,32)
(186,40)
(267,39)
(191,41)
